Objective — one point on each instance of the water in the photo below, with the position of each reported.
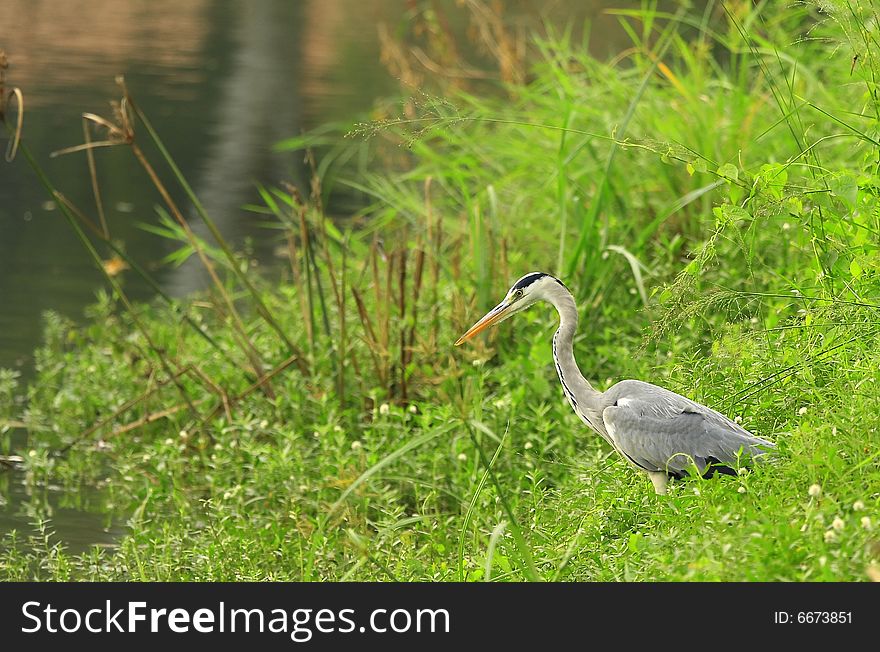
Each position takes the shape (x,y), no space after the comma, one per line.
(221,81)
(77,518)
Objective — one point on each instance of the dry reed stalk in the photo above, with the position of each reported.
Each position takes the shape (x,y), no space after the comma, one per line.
(371,341)
(301,296)
(152,417)
(125,407)
(377,290)
(254,387)
(62,200)
(123,133)
(72,220)
(14,92)
(401,305)
(435,244)
(343,334)
(234,266)
(217,389)
(508,51)
(238,326)
(416,294)
(307,269)
(93,175)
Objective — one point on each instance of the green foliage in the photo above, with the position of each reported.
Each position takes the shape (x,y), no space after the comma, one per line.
(717,191)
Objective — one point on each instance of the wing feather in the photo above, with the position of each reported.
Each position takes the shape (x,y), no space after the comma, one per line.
(659,430)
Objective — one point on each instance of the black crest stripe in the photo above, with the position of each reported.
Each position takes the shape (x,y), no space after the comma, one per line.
(527,280)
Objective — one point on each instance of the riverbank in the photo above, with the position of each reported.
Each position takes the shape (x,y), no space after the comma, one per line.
(711,200)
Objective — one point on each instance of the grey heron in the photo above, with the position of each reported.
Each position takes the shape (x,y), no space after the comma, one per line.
(656,430)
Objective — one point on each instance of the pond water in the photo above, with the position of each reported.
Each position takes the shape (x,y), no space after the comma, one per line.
(77,518)
(222,82)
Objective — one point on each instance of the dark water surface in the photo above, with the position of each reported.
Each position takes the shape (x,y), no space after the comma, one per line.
(222,81)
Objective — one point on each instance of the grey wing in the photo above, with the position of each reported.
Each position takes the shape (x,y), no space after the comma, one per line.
(659,430)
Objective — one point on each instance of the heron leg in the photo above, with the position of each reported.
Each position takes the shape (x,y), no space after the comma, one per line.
(659,479)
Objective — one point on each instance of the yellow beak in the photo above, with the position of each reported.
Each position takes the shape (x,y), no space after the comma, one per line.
(497,314)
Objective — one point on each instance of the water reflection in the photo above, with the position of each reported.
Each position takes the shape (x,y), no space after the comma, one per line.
(76,518)
(222,81)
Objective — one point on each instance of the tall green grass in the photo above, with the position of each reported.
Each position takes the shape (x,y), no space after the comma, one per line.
(710,194)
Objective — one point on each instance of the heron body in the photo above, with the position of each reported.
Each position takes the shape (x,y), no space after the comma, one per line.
(657,431)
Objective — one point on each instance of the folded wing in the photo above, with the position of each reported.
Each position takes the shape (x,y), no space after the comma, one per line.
(659,430)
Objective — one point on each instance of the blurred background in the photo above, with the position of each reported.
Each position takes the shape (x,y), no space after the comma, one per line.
(222,82)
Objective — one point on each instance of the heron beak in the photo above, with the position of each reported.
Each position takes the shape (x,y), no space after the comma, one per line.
(497,314)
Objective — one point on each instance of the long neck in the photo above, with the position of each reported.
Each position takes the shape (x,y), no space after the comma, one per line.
(584,399)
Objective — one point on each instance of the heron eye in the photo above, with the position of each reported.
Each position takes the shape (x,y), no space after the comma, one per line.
(518,295)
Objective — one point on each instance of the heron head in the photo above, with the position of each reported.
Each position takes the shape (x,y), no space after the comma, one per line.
(530,288)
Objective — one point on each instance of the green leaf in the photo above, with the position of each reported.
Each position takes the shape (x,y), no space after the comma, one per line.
(855,269)
(844,187)
(728,171)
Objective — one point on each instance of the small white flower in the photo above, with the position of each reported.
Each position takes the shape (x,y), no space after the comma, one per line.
(528,445)
(815,490)
(786,226)
(741,490)
(384,408)
(183,434)
(802,411)
(337,429)
(462,457)
(356,445)
(218,446)
(316,434)
(858,506)
(169,441)
(838,523)
(264,424)
(737,419)
(830,536)
(478,363)
(32,453)
(413,408)
(866,523)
